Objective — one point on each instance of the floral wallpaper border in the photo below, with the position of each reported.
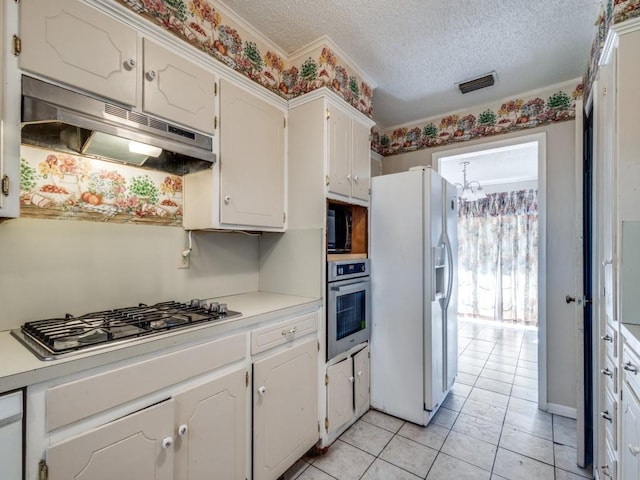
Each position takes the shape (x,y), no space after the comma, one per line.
(200,23)
(512,115)
(611,12)
(62,186)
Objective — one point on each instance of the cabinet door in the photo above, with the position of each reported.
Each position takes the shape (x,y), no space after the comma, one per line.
(130,447)
(285,409)
(630,435)
(212,429)
(361,375)
(251,160)
(176,89)
(361,162)
(339,394)
(71,42)
(340,145)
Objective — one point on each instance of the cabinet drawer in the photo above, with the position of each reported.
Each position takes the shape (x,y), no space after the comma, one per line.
(610,375)
(73,401)
(631,366)
(266,338)
(610,341)
(609,418)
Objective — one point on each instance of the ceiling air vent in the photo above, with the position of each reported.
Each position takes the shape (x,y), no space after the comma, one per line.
(477,83)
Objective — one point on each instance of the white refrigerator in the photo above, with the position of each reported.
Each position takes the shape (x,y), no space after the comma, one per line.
(414,336)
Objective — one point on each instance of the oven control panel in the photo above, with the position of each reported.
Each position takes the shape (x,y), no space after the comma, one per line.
(345,269)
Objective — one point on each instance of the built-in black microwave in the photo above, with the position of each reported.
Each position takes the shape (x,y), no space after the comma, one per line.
(338,228)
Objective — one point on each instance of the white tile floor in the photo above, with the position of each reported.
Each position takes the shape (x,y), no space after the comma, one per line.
(489,426)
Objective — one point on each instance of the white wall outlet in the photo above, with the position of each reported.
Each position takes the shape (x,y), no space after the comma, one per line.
(183,262)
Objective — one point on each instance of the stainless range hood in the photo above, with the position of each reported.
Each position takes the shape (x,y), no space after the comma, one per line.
(65,120)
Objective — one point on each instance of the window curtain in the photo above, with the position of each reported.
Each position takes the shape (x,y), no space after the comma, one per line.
(498,257)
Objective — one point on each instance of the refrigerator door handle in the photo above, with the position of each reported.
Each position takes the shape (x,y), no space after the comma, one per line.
(447,298)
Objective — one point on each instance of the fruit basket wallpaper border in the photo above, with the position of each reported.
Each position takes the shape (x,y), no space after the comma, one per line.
(201,24)
(63,186)
(512,115)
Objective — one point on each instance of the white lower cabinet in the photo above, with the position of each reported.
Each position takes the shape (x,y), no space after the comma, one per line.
(630,435)
(211,429)
(285,408)
(137,446)
(347,390)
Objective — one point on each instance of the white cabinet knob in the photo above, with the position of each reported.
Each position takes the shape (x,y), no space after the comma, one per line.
(349,178)
(607,261)
(360,373)
(182,430)
(151,75)
(167,442)
(227,200)
(607,338)
(130,64)
(630,367)
(634,449)
(351,379)
(355,179)
(606,415)
(262,390)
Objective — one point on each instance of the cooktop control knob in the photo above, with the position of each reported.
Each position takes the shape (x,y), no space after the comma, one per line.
(195,302)
(213,307)
(222,308)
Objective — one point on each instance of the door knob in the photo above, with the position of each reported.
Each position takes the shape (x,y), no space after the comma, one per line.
(569,299)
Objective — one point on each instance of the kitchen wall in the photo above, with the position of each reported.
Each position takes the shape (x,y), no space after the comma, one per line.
(51,267)
(561,248)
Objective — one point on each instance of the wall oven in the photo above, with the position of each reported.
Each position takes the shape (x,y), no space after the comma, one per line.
(348,305)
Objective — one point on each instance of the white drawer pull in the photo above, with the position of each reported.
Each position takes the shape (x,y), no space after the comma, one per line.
(606,415)
(291,331)
(630,367)
(607,372)
(634,449)
(607,338)
(182,430)
(262,390)
(167,442)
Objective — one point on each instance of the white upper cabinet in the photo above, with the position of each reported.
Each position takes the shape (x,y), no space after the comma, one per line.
(9,120)
(245,190)
(349,162)
(76,44)
(176,89)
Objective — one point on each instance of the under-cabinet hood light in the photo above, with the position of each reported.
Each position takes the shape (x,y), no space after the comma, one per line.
(144,149)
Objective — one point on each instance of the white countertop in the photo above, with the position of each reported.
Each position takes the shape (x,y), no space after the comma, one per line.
(19,367)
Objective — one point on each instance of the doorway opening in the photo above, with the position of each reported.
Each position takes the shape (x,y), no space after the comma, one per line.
(501,259)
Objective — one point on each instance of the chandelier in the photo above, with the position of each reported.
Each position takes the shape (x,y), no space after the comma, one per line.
(469,191)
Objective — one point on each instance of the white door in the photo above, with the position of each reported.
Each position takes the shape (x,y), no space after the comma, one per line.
(361,375)
(211,425)
(340,381)
(69,41)
(340,145)
(251,159)
(285,409)
(177,90)
(361,161)
(128,448)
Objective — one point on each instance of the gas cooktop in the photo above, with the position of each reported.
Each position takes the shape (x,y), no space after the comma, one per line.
(61,337)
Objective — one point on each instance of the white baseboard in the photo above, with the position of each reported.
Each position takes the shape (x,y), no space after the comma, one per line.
(562,410)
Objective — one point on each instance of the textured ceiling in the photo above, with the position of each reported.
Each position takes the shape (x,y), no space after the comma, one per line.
(417,50)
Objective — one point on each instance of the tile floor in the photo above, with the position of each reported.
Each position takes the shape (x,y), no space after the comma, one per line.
(488,428)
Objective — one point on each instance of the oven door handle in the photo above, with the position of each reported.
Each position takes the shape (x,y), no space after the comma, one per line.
(349,286)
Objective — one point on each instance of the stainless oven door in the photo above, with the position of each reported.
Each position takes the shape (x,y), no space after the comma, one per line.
(348,314)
